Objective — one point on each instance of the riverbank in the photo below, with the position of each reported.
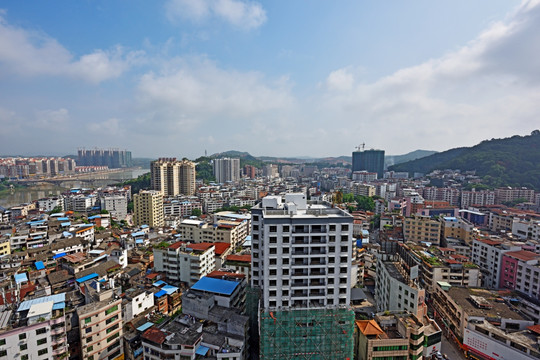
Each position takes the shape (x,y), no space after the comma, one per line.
(30,192)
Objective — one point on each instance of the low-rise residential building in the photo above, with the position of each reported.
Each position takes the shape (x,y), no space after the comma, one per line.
(398,335)
(232,232)
(184,263)
(35,330)
(457,307)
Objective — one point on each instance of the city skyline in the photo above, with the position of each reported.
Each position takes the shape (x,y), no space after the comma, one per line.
(274,79)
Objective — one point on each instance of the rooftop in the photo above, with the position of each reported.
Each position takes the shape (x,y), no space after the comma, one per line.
(217,286)
(491,304)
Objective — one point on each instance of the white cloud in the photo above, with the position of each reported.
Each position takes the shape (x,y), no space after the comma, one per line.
(195,92)
(240,13)
(340,80)
(31,53)
(110,127)
(54,120)
(488,88)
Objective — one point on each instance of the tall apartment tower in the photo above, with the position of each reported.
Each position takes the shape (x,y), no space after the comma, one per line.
(173,177)
(148,208)
(227,170)
(301,261)
(369,160)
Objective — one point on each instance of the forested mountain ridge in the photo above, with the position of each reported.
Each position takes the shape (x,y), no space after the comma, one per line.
(513,161)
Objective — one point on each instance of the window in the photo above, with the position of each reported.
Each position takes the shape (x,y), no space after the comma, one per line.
(90,348)
(22,336)
(42,341)
(43,351)
(24,357)
(111,338)
(3,353)
(112,309)
(23,347)
(87,320)
(110,320)
(41,331)
(2,341)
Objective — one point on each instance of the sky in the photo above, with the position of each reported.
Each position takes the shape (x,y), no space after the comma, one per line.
(276,78)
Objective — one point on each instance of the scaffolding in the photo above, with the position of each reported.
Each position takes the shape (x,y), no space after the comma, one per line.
(310,334)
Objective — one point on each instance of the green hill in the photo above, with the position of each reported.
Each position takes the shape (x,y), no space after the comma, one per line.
(513,161)
(398,159)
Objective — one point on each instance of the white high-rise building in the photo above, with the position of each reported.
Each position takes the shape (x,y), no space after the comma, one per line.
(226,170)
(301,253)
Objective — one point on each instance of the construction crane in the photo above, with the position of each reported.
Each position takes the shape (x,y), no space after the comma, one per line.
(361,147)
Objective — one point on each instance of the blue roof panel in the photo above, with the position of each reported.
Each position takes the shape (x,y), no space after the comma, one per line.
(59,255)
(57,298)
(160,293)
(88,277)
(58,306)
(202,350)
(145,326)
(217,286)
(19,278)
(39,265)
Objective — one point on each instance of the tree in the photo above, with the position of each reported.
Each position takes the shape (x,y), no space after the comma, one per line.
(103,211)
(196,212)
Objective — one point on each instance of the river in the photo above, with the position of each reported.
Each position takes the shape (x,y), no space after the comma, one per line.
(31,193)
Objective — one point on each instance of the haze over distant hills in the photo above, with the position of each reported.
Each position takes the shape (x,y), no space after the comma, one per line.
(513,161)
(347,160)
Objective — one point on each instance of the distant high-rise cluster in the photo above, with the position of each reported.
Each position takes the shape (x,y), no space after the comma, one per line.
(227,170)
(36,167)
(173,177)
(113,158)
(369,160)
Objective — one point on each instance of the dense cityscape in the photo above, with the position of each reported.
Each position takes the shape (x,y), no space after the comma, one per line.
(270,180)
(274,261)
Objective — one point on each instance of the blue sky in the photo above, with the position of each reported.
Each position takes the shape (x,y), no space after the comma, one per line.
(282,78)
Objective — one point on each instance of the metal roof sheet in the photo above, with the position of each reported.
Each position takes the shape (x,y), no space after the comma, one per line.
(217,286)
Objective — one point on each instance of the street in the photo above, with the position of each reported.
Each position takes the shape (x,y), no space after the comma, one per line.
(451,349)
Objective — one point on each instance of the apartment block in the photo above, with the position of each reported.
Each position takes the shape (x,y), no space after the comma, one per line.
(301,256)
(477,198)
(520,270)
(509,194)
(398,335)
(101,326)
(229,231)
(422,229)
(36,329)
(458,228)
(116,205)
(488,254)
(185,263)
(226,170)
(363,189)
(173,177)
(458,307)
(396,290)
(148,208)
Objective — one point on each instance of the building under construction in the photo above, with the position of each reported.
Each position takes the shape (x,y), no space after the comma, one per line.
(307,334)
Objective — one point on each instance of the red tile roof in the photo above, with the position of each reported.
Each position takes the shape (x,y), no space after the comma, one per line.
(155,335)
(200,246)
(221,247)
(240,258)
(225,274)
(176,245)
(523,255)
